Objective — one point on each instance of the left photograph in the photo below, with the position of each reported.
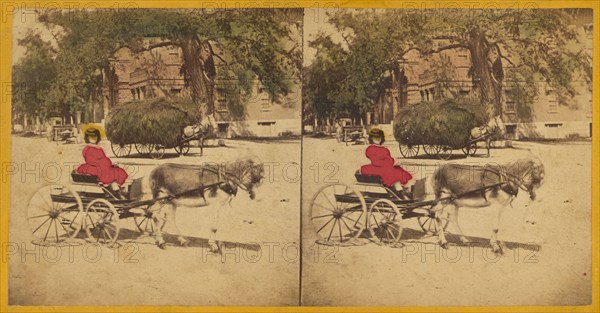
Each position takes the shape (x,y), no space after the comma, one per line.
(155,157)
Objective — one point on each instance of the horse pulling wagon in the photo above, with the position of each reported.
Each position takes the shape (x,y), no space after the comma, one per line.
(495,128)
(57,213)
(341,214)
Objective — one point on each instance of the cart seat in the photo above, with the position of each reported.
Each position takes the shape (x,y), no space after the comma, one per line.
(84,178)
(368,179)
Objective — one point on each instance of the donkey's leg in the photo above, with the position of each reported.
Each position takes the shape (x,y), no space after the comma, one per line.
(439,211)
(223,200)
(453,216)
(172,216)
(159,218)
(499,204)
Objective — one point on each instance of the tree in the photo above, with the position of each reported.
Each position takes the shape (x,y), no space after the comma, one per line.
(523,46)
(247,44)
(32,79)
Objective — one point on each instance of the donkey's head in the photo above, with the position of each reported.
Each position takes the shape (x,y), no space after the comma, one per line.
(249,173)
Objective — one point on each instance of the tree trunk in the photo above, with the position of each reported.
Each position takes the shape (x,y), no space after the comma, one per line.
(489,88)
(199,68)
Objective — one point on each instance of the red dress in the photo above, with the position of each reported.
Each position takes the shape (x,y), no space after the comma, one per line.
(99,165)
(382,165)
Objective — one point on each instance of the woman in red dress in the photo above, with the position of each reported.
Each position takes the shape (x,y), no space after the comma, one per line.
(99,165)
(382,163)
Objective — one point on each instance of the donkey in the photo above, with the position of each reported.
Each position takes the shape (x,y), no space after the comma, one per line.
(493,186)
(493,129)
(190,185)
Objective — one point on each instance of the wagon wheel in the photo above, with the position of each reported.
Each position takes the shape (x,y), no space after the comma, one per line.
(470,149)
(429,225)
(120,150)
(432,149)
(101,223)
(157,152)
(54,214)
(445,152)
(409,151)
(144,222)
(183,148)
(338,222)
(384,222)
(143,148)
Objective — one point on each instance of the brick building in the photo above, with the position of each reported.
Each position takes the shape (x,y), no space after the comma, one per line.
(446,75)
(157,73)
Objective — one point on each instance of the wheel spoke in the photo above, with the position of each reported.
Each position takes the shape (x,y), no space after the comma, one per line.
(340,229)
(56,229)
(38,216)
(325,224)
(331,231)
(345,224)
(48,230)
(42,224)
(107,233)
(142,221)
(321,216)
(324,207)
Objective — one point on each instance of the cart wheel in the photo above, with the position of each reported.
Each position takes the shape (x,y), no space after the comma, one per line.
(384,222)
(409,151)
(143,148)
(429,225)
(470,149)
(337,221)
(183,148)
(101,222)
(55,214)
(445,153)
(144,222)
(157,152)
(432,149)
(120,150)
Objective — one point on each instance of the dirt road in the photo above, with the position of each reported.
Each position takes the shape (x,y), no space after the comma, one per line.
(259,264)
(545,264)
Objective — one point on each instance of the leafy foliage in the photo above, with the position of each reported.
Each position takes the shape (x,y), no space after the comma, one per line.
(525,47)
(237,46)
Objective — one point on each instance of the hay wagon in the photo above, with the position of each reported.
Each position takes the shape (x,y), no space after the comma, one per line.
(443,152)
(157,151)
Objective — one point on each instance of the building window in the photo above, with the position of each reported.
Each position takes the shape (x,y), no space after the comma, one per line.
(510,101)
(552,101)
(265,99)
(221,100)
(133,94)
(175,92)
(173,58)
(223,128)
(511,129)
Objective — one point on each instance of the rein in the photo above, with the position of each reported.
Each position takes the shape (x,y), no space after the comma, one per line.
(220,171)
(509,177)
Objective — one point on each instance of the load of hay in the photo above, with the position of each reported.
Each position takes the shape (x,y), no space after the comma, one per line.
(150,121)
(444,122)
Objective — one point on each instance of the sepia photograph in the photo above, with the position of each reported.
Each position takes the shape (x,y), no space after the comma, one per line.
(251,157)
(155,157)
(418,119)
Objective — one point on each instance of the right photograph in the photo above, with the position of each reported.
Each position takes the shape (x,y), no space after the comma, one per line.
(447,157)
